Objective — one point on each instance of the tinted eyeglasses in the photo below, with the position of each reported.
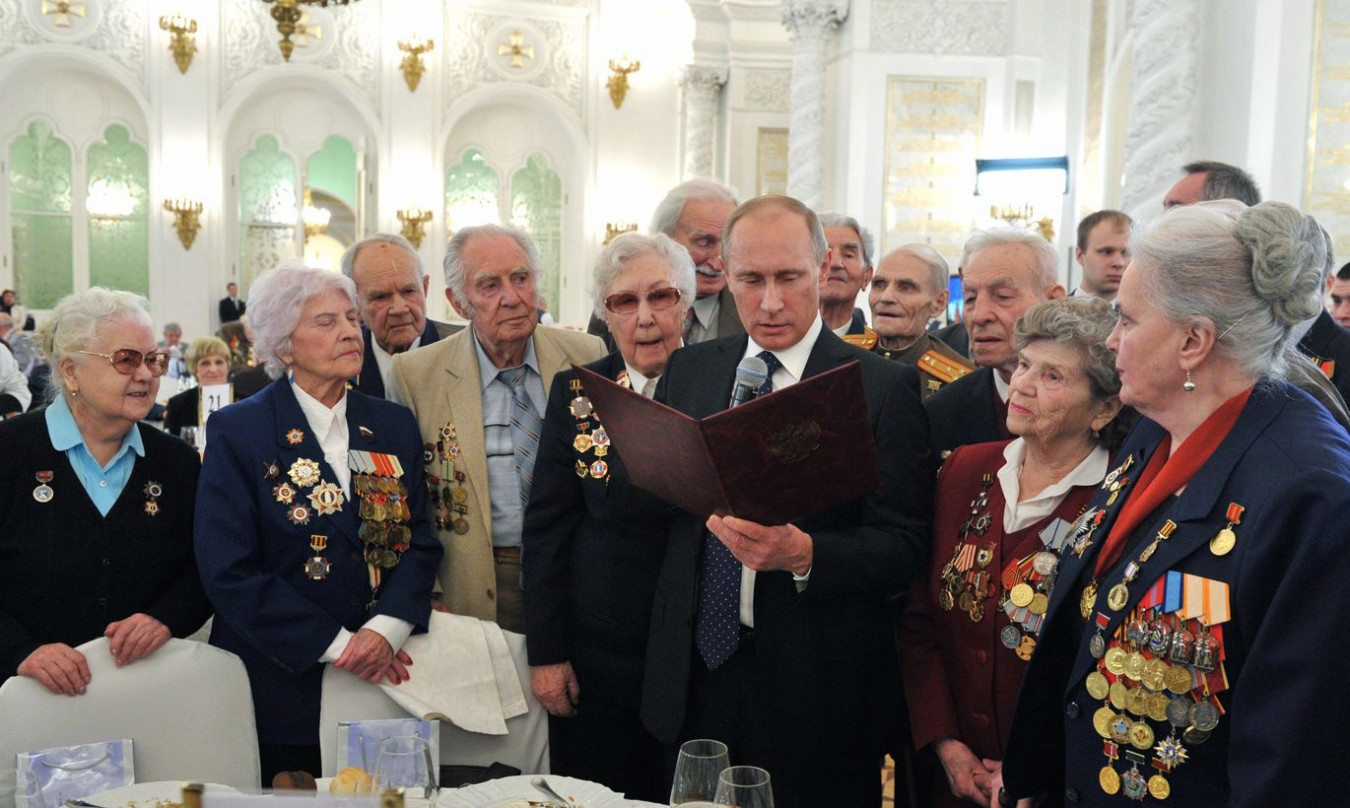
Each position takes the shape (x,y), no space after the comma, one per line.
(627,302)
(126,360)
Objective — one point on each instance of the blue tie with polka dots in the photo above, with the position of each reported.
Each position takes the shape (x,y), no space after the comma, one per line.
(717,629)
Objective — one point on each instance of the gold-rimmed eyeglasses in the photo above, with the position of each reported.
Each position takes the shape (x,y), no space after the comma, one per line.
(126,360)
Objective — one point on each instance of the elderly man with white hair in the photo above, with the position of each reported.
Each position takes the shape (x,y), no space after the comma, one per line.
(1004,272)
(391,288)
(909,289)
(479,399)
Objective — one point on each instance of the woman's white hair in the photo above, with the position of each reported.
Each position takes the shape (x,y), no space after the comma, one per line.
(79,322)
(610,265)
(275,302)
(1251,273)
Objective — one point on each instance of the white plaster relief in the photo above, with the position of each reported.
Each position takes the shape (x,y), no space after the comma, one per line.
(468,60)
(14,28)
(940,27)
(251,39)
(121,34)
(768,89)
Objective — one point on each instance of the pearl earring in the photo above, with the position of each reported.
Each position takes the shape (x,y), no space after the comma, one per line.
(1188,385)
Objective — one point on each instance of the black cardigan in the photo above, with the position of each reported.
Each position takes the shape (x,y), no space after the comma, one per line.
(66,571)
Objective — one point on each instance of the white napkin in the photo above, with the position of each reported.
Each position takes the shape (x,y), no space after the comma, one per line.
(462,673)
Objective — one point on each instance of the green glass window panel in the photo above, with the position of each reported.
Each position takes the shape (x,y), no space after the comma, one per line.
(334,170)
(119,254)
(267,185)
(39,178)
(43,264)
(472,190)
(536,208)
(119,176)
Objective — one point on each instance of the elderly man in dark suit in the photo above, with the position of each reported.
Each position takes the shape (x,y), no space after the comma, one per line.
(779,638)
(391,285)
(1004,272)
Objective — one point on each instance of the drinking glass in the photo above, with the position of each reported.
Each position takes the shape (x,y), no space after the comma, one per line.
(405,762)
(192,435)
(744,786)
(696,773)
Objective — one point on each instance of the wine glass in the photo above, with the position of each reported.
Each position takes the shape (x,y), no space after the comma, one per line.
(696,773)
(192,435)
(744,786)
(404,761)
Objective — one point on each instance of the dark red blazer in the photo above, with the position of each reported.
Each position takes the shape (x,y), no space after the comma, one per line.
(960,681)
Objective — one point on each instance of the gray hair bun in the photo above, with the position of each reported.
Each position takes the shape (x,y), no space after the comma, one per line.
(1290,255)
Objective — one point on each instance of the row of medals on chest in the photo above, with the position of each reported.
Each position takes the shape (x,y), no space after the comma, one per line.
(445,482)
(590,437)
(966,581)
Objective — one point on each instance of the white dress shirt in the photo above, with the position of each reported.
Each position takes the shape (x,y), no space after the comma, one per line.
(793,362)
(1018,515)
(329,426)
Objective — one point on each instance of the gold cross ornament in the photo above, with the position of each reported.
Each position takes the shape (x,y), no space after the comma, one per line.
(515,47)
(63,9)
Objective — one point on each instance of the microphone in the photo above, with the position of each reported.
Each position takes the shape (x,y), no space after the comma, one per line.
(750,374)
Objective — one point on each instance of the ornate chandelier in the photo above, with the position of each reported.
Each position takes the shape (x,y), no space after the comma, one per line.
(287,13)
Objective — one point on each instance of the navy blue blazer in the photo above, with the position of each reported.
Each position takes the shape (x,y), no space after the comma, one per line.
(369,381)
(1288,464)
(252,556)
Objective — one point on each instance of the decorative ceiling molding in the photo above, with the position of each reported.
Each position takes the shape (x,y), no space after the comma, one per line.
(768,89)
(471,57)
(942,27)
(350,46)
(115,28)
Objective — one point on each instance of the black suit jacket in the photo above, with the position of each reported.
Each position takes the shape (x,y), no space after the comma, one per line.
(956,336)
(1288,464)
(1326,340)
(593,546)
(182,410)
(369,381)
(67,571)
(826,654)
(963,412)
(230,311)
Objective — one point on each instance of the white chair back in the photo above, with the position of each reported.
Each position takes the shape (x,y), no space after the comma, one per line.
(187,709)
(348,698)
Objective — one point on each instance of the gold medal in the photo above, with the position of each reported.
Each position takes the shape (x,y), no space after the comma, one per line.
(1194,736)
(581,469)
(1155,675)
(326,499)
(304,472)
(295,437)
(1101,721)
(1109,779)
(151,508)
(1118,597)
(1141,735)
(1088,601)
(1097,685)
(461,525)
(582,442)
(1115,660)
(1021,595)
(1222,544)
(1027,647)
(1039,603)
(1119,694)
(1179,680)
(1157,706)
(1158,787)
(1134,665)
(1137,702)
(945,599)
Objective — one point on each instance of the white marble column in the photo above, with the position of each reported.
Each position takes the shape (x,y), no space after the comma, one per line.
(1163,88)
(809,24)
(702,86)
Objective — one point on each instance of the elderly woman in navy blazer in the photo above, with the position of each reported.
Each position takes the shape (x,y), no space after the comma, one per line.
(1191,652)
(310,532)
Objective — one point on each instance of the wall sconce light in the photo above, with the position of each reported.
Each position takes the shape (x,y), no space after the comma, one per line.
(181,43)
(615,229)
(412,65)
(315,218)
(618,82)
(186,219)
(414,224)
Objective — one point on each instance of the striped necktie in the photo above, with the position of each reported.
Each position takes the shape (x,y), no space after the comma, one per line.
(525,428)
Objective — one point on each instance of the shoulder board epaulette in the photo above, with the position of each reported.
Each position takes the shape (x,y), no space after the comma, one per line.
(866,340)
(943,367)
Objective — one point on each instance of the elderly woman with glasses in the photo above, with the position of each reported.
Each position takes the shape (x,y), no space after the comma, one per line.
(592,541)
(95,509)
(208,360)
(311,532)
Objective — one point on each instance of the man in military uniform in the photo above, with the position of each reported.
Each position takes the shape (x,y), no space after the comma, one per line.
(850,272)
(909,288)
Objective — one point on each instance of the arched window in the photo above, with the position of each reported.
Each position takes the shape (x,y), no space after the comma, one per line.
(471,193)
(268,208)
(536,208)
(117,201)
(40,215)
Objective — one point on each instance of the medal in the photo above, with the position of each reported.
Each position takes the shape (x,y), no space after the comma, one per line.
(1039,603)
(153,491)
(1179,712)
(1021,595)
(151,508)
(1178,680)
(1118,694)
(448,432)
(1155,675)
(1204,716)
(1115,660)
(581,407)
(1158,787)
(1141,735)
(1101,721)
(295,437)
(599,468)
(1170,751)
(582,442)
(1194,736)
(1088,601)
(304,472)
(1097,686)
(326,498)
(284,493)
(1133,784)
(1044,563)
(44,493)
(298,514)
(1137,703)
(1225,540)
(318,567)
(271,470)
(1109,780)
(1009,636)
(1025,650)
(945,599)
(461,525)
(1097,646)
(1134,665)
(1157,706)
(1118,596)
(365,432)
